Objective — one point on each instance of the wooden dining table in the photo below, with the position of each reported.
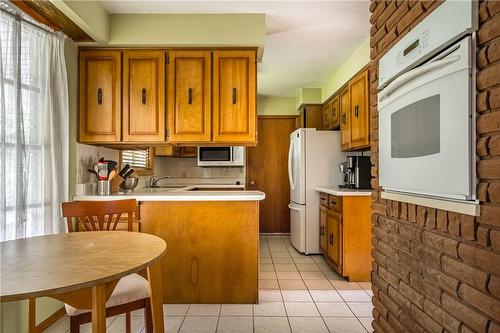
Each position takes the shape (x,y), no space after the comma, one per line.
(82,269)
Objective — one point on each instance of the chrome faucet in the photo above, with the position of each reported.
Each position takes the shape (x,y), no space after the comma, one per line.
(153,181)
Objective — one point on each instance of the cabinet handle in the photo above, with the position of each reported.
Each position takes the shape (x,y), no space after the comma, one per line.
(234,95)
(356,111)
(331,239)
(99,96)
(143,96)
(344,120)
(322,231)
(190,96)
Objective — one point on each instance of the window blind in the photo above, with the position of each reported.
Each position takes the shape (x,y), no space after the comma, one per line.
(136,158)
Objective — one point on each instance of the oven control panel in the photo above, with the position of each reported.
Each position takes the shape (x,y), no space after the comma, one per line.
(415,50)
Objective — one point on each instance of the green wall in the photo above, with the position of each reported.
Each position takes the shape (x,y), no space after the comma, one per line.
(275,105)
(359,58)
(308,96)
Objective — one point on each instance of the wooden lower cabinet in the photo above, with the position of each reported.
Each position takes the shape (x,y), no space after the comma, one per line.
(212,249)
(345,234)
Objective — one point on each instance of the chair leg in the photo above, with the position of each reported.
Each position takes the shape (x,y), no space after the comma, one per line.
(74,324)
(148,317)
(128,328)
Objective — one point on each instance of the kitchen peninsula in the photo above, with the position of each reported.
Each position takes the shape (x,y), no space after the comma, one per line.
(212,238)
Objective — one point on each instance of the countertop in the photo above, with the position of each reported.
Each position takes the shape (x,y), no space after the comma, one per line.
(186,193)
(334,190)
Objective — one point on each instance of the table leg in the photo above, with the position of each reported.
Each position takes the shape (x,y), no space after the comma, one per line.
(99,309)
(156,296)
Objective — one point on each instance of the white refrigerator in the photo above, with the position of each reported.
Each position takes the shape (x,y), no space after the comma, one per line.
(313,159)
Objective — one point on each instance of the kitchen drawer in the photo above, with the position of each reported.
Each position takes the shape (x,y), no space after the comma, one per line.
(323,199)
(335,203)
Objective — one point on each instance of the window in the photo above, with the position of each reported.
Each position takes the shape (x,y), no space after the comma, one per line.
(141,160)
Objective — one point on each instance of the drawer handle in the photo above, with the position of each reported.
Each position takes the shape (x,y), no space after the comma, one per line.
(190,96)
(99,96)
(234,95)
(143,96)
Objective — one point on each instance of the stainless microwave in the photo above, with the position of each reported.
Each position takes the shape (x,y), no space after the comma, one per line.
(221,156)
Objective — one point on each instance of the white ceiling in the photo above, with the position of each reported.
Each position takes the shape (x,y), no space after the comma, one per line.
(306,41)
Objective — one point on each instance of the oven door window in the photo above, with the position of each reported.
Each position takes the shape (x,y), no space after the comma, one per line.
(215,154)
(415,129)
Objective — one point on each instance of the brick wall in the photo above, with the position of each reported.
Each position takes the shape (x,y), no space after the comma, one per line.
(433,270)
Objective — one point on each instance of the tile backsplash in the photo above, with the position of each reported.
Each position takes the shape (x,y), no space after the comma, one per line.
(187,168)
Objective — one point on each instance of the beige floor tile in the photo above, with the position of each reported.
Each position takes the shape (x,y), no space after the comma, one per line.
(199,325)
(365,285)
(344,325)
(263,255)
(267,275)
(325,296)
(355,295)
(313,275)
(345,285)
(172,324)
(307,325)
(268,260)
(270,296)
(204,310)
(271,325)
(331,275)
(268,284)
(308,267)
(266,268)
(292,285)
(367,323)
(283,260)
(303,260)
(296,296)
(236,310)
(175,309)
(334,309)
(285,268)
(319,284)
(235,325)
(301,309)
(118,325)
(361,309)
(288,275)
(269,309)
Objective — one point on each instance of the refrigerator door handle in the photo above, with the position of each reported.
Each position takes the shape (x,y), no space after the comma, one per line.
(293,207)
(290,176)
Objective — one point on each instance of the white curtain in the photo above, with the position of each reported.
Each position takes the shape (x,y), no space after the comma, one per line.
(33,129)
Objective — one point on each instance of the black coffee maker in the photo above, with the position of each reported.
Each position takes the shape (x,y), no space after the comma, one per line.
(357,172)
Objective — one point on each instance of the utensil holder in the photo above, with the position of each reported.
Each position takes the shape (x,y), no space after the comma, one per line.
(115,183)
(103,187)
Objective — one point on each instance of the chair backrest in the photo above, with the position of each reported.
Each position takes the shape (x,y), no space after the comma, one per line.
(98,215)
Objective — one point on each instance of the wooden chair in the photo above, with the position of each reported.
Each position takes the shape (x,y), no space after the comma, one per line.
(132,292)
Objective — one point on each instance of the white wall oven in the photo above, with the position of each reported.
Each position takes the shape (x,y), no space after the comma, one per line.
(426,102)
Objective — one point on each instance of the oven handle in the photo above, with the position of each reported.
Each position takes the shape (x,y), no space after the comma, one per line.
(405,78)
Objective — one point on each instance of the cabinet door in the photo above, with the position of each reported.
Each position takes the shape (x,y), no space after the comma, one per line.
(234,96)
(334,112)
(323,237)
(143,96)
(100,97)
(327,115)
(334,231)
(345,119)
(189,96)
(164,151)
(358,90)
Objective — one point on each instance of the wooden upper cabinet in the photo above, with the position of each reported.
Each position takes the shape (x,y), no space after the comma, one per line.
(358,90)
(334,112)
(345,119)
(326,115)
(143,96)
(100,98)
(234,96)
(189,96)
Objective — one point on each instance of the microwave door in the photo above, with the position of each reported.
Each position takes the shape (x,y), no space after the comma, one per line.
(425,129)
